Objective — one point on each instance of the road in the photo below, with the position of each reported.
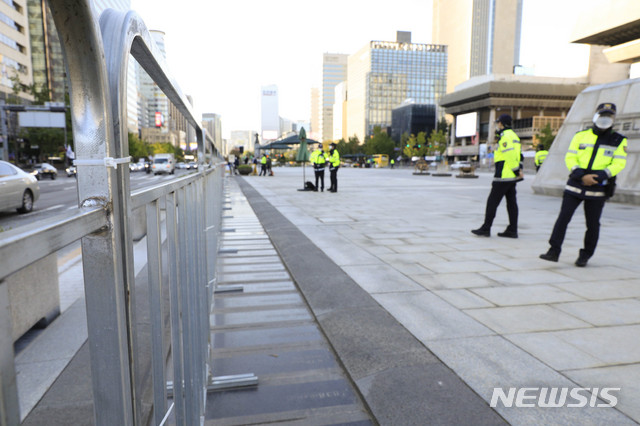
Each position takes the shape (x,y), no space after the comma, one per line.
(59,195)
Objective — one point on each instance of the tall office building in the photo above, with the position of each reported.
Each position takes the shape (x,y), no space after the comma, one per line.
(334,72)
(315,130)
(155,106)
(483,36)
(15,50)
(383,74)
(49,71)
(269,110)
(212,123)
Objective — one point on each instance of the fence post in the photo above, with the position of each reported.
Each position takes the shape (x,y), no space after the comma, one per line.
(9,408)
(107,259)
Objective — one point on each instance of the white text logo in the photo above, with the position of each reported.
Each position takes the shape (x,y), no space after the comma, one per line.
(554,397)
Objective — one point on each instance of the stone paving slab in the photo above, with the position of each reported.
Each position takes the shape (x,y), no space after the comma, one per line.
(526,295)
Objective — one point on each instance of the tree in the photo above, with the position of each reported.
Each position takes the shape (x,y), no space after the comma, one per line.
(416,146)
(379,143)
(437,142)
(137,147)
(546,137)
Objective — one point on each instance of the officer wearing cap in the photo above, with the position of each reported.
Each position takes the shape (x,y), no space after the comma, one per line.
(594,158)
(334,165)
(508,171)
(541,155)
(318,160)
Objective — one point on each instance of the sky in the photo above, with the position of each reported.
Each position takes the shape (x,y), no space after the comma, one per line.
(221,52)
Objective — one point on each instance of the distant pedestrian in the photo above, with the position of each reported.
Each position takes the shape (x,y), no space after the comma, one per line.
(236,163)
(541,155)
(508,171)
(334,165)
(263,165)
(594,158)
(269,171)
(319,160)
(392,162)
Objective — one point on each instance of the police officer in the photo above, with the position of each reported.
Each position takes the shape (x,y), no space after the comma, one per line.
(263,165)
(508,171)
(595,156)
(541,155)
(334,165)
(318,160)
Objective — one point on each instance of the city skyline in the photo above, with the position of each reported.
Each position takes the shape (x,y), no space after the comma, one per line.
(241,46)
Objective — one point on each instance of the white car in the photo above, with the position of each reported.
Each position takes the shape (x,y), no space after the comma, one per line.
(18,189)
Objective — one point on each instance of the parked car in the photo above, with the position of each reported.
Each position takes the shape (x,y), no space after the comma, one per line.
(193,165)
(182,165)
(71,171)
(44,169)
(18,189)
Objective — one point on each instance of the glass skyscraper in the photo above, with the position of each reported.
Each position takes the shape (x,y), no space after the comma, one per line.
(384,74)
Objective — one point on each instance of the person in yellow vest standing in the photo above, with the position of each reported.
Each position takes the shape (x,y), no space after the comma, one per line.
(263,165)
(319,161)
(594,158)
(541,155)
(508,172)
(392,162)
(334,165)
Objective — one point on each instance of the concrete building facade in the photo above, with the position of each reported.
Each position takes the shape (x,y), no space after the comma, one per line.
(15,49)
(315,130)
(334,72)
(482,37)
(340,112)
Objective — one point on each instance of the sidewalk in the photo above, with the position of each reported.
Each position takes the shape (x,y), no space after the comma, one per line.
(488,308)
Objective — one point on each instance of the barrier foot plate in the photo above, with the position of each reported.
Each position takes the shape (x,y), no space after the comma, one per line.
(230,382)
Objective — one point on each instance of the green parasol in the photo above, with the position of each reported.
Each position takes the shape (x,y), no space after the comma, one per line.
(303,155)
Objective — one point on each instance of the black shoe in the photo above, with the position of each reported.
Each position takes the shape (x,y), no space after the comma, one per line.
(582,261)
(322,190)
(481,232)
(333,190)
(508,234)
(550,255)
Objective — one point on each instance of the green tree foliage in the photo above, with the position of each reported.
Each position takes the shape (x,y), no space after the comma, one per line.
(350,147)
(379,143)
(415,146)
(546,137)
(162,148)
(437,142)
(50,140)
(137,147)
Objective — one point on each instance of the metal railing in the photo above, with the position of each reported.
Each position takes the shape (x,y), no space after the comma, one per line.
(183,219)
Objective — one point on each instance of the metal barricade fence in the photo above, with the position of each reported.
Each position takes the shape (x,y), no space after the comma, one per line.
(181,264)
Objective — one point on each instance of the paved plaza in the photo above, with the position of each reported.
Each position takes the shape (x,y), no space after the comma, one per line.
(488,308)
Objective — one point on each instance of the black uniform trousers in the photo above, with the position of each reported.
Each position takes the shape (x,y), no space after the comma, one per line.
(592,213)
(498,191)
(333,175)
(263,170)
(319,176)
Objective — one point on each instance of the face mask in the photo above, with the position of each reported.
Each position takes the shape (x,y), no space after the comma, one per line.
(603,122)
